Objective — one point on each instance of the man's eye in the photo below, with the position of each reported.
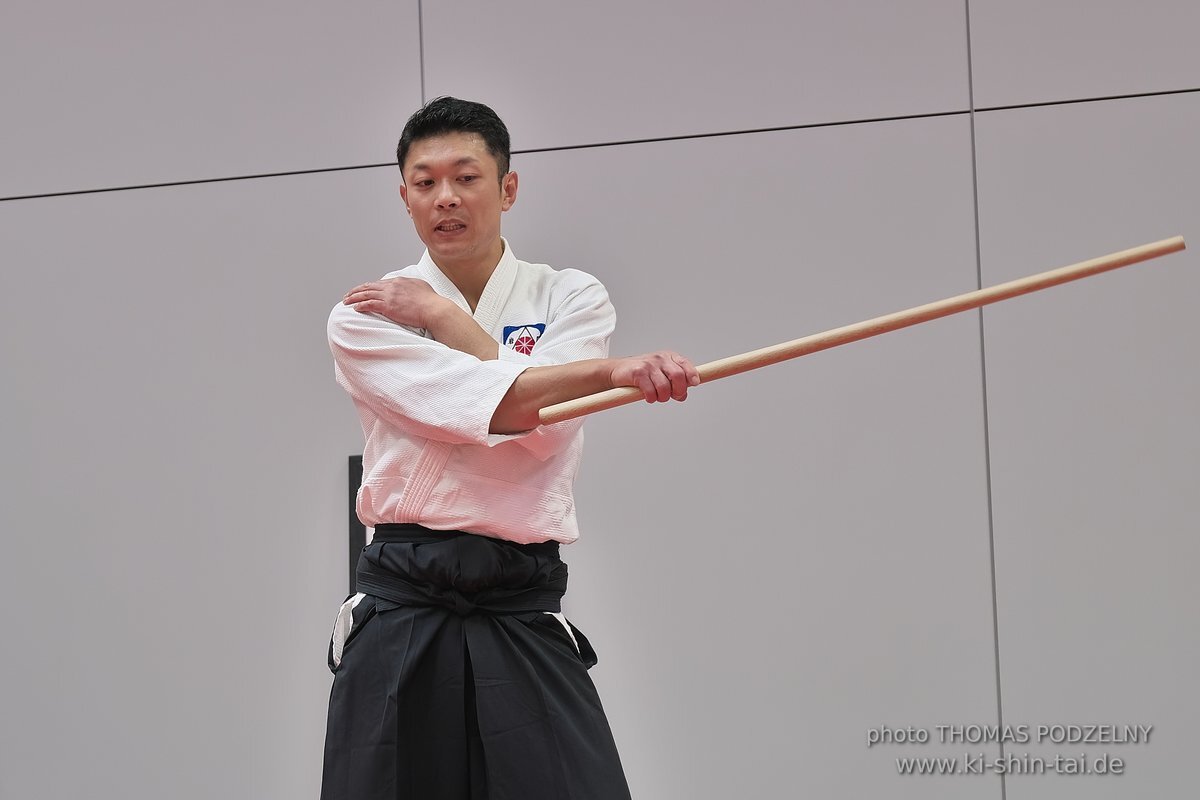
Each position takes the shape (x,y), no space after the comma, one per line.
(468,178)
(425,184)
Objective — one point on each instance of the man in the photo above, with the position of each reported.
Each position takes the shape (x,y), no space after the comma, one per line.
(456,677)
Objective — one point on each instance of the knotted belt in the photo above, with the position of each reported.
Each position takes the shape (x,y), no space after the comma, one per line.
(463,572)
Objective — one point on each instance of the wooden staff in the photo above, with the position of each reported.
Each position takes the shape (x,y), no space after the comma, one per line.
(733,365)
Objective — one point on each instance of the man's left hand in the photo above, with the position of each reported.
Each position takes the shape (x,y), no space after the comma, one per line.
(405,301)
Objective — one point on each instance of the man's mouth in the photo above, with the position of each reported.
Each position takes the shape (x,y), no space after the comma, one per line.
(450,227)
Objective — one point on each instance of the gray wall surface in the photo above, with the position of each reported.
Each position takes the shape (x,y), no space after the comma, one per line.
(983,520)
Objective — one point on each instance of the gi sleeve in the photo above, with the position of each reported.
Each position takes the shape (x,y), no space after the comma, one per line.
(579,329)
(416,384)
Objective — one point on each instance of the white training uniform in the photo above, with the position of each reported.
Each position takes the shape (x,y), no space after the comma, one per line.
(425,408)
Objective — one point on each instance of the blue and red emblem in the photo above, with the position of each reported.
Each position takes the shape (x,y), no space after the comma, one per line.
(522,338)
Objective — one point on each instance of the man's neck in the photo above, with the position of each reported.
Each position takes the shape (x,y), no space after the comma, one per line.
(471,277)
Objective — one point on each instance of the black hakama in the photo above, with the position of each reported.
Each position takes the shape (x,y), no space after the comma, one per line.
(452,682)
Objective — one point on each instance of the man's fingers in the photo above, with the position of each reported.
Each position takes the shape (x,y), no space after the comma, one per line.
(679,386)
(364,287)
(692,375)
(360,293)
(660,376)
(662,386)
(644,384)
(676,374)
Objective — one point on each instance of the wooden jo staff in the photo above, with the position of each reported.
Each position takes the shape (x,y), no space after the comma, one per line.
(733,365)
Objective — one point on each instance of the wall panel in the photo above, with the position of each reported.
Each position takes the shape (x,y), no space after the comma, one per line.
(139,91)
(175,467)
(1092,392)
(1034,51)
(565,74)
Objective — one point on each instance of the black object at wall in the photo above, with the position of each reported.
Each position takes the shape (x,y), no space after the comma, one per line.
(358,531)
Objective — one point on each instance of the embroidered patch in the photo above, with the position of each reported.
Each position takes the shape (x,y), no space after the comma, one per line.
(522,338)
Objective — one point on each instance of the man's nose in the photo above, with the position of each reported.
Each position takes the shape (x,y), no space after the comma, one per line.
(447,197)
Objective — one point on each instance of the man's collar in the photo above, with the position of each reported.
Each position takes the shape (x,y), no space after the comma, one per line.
(498,286)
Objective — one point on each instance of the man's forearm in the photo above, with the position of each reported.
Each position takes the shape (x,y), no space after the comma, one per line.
(660,376)
(457,329)
(538,387)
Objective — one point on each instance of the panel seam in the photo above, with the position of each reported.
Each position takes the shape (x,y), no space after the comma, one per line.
(987,437)
(970,112)
(421,45)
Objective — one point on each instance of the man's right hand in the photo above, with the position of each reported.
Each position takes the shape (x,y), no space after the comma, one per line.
(660,376)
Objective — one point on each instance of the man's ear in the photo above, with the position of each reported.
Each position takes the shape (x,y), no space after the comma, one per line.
(404,197)
(508,191)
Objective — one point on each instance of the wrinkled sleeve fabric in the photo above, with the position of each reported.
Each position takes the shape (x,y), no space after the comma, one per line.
(579,329)
(416,384)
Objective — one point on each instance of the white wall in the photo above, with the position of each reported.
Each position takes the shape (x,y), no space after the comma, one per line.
(982,519)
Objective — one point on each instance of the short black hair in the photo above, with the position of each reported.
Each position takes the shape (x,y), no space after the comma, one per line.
(451,115)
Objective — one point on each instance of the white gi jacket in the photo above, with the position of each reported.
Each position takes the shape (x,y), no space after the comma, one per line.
(425,407)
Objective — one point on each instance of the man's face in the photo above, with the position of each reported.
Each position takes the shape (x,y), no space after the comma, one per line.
(455,196)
